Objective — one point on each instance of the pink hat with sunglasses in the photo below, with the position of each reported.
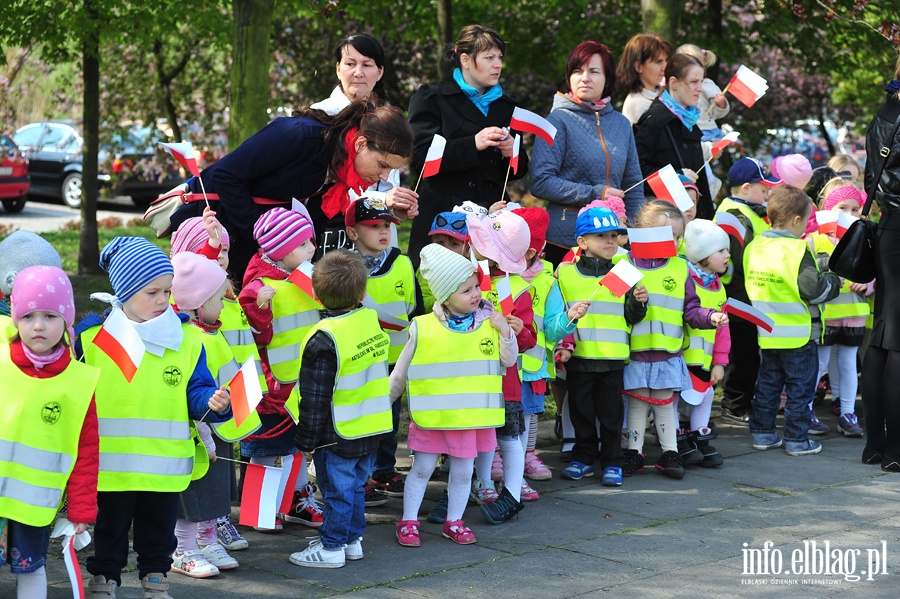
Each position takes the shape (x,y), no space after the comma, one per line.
(502,237)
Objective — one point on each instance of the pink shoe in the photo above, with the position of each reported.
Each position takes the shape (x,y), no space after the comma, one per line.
(497,467)
(535,468)
(408,533)
(457,532)
(528,494)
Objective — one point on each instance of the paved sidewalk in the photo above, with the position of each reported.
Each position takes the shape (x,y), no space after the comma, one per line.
(652,537)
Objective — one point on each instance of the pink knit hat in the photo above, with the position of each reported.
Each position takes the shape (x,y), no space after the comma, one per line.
(503,237)
(793,169)
(196,279)
(191,237)
(613,203)
(278,232)
(847,192)
(44,288)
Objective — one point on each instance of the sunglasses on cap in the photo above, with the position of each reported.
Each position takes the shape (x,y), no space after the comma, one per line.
(457,225)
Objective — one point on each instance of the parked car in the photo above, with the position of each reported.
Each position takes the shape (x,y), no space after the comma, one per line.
(128,165)
(14,180)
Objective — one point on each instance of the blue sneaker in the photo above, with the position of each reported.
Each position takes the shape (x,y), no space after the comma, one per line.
(612,477)
(763,441)
(576,470)
(798,448)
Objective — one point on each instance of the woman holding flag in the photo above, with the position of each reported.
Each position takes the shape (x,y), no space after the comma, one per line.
(472,113)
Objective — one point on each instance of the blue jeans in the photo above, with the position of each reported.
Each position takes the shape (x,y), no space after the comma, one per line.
(793,370)
(386,455)
(341,481)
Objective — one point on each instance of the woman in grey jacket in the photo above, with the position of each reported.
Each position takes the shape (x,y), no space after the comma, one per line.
(593,156)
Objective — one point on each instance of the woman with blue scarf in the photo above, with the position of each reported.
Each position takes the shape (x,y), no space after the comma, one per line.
(668,133)
(470,110)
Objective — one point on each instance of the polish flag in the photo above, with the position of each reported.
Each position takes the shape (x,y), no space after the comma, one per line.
(260,498)
(843,223)
(529,122)
(827,221)
(302,278)
(514,159)
(387,321)
(485,269)
(504,295)
(747,86)
(697,392)
(183,153)
(118,340)
(723,143)
(434,156)
(667,186)
(290,471)
(653,242)
(73,569)
(748,313)
(621,278)
(731,225)
(245,391)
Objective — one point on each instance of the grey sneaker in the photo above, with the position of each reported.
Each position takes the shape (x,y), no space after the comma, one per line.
(763,441)
(849,426)
(807,447)
(816,426)
(155,586)
(99,587)
(354,551)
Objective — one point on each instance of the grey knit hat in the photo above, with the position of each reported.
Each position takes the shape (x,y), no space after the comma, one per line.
(445,270)
(21,250)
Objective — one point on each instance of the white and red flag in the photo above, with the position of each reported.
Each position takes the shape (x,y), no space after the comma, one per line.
(529,122)
(245,391)
(514,159)
(653,242)
(667,186)
(434,156)
(731,225)
(118,340)
(843,223)
(260,498)
(723,143)
(747,86)
(827,221)
(290,471)
(621,278)
(183,153)
(748,313)
(485,269)
(697,392)
(302,278)
(504,295)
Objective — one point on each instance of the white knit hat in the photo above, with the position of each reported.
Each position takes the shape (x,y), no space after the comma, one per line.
(702,239)
(445,270)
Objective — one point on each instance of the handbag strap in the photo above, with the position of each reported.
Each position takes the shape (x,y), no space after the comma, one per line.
(877,180)
(675,146)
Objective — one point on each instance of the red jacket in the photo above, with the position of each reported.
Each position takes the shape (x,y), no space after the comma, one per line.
(527,338)
(82,486)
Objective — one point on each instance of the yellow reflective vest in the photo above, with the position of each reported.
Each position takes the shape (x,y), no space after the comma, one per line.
(698,343)
(534,359)
(294,314)
(42,420)
(848,304)
(757,222)
(455,380)
(239,335)
(603,333)
(361,404)
(393,296)
(662,329)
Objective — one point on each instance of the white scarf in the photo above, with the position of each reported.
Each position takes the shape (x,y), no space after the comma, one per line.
(158,334)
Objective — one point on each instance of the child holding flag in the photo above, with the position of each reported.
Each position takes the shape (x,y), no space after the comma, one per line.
(784,281)
(281,313)
(36,368)
(445,350)
(657,369)
(153,380)
(345,406)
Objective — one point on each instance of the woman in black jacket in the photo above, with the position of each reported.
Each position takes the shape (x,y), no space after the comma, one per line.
(668,133)
(470,110)
(881,367)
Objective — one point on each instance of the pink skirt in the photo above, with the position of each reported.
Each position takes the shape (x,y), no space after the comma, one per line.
(458,444)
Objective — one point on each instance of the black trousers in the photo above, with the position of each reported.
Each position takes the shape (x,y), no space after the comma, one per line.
(881,401)
(153,516)
(739,384)
(596,396)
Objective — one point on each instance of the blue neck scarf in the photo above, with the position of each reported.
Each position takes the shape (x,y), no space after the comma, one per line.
(706,277)
(481,101)
(688,116)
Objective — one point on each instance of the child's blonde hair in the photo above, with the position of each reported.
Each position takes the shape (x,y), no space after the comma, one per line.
(655,211)
(840,163)
(706,57)
(833,183)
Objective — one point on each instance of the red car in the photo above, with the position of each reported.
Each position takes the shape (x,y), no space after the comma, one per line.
(14,179)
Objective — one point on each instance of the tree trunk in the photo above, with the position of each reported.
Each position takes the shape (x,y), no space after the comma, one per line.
(714,35)
(88,249)
(249,69)
(823,130)
(445,36)
(661,17)
(165,84)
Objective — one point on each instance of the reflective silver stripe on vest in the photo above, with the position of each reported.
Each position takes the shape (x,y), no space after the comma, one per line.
(227,372)
(659,328)
(369,407)
(847,298)
(782,308)
(398,337)
(539,322)
(666,301)
(138,427)
(538,352)
(32,457)
(290,322)
(602,308)
(459,401)
(452,369)
(601,335)
(785,332)
(697,342)
(45,497)
(238,337)
(349,382)
(145,464)
(283,355)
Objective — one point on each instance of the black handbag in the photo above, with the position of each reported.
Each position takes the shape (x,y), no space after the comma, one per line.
(854,256)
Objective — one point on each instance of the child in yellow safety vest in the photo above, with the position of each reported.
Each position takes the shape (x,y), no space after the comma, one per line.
(147,455)
(448,229)
(49,431)
(845,316)
(454,362)
(784,282)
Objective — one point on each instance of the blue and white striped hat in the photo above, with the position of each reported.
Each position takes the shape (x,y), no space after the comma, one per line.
(132,263)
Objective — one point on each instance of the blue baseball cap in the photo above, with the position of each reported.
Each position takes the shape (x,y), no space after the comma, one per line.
(452,224)
(750,170)
(597,220)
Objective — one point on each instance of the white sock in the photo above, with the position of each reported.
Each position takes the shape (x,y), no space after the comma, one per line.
(567,427)
(287,463)
(637,423)
(513,464)
(848,380)
(700,413)
(524,436)
(32,586)
(834,373)
(666,421)
(457,488)
(417,481)
(483,465)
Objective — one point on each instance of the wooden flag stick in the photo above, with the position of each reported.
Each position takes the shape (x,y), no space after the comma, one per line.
(421,172)
(505,181)
(589,299)
(636,184)
(711,104)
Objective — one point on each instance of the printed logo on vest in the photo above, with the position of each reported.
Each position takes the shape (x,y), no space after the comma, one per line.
(493,298)
(669,284)
(172,376)
(535,301)
(50,412)
(486,346)
(244,321)
(398,288)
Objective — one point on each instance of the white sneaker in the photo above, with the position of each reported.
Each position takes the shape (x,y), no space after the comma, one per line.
(194,564)
(218,556)
(99,587)
(316,556)
(354,551)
